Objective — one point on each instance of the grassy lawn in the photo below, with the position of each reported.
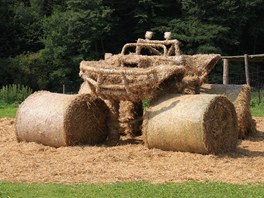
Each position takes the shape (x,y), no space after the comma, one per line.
(258,110)
(132,189)
(257,107)
(7,110)
(257,103)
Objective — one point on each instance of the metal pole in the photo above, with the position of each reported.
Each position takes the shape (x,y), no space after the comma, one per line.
(226,72)
(246,69)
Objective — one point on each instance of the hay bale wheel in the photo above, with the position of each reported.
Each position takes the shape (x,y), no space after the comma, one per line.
(61,120)
(192,123)
(240,96)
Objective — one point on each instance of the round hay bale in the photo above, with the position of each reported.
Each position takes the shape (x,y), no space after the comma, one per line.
(240,96)
(192,123)
(112,118)
(61,120)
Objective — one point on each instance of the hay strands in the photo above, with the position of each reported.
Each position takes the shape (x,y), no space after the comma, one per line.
(207,126)
(174,45)
(150,46)
(129,79)
(153,46)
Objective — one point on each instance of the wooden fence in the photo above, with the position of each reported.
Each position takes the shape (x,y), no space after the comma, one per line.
(243,58)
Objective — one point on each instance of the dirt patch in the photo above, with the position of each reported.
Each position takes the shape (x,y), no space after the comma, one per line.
(130,161)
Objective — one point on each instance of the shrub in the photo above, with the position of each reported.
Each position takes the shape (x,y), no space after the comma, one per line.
(14,93)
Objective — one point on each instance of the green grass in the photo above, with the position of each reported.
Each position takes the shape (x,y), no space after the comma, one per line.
(258,110)
(131,189)
(8,110)
(257,103)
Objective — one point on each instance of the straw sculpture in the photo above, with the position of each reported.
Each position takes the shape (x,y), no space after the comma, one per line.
(240,96)
(131,117)
(124,83)
(131,77)
(171,46)
(85,88)
(113,124)
(192,123)
(135,77)
(60,120)
(203,64)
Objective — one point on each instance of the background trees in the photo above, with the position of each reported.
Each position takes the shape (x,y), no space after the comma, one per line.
(43,41)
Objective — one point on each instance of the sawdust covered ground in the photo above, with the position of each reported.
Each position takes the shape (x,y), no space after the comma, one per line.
(130,161)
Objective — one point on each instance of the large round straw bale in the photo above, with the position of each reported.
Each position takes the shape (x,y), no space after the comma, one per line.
(113,116)
(192,123)
(240,96)
(60,120)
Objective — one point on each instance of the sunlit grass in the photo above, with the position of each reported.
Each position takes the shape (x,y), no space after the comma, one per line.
(257,103)
(8,110)
(131,189)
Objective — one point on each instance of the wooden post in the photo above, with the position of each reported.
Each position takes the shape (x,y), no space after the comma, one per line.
(63,88)
(226,72)
(246,69)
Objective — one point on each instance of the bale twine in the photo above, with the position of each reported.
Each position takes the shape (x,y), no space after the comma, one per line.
(240,96)
(192,123)
(61,120)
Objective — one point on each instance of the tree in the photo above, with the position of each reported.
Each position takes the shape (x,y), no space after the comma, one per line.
(253,32)
(74,34)
(6,28)
(43,41)
(207,26)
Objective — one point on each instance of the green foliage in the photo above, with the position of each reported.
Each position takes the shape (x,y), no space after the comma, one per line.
(28,25)
(14,93)
(43,41)
(197,36)
(73,34)
(131,189)
(145,104)
(6,23)
(30,69)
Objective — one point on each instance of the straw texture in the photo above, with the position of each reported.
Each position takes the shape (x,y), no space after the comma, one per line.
(193,123)
(113,124)
(61,120)
(130,161)
(85,88)
(131,117)
(135,77)
(239,95)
